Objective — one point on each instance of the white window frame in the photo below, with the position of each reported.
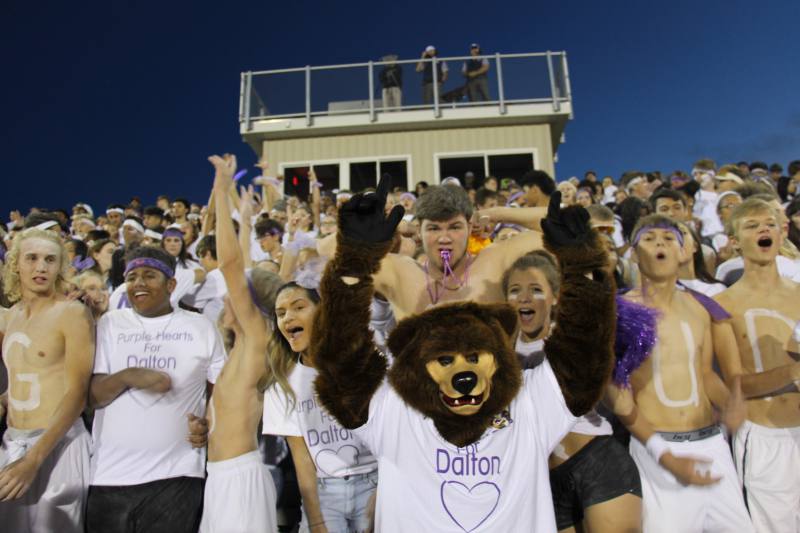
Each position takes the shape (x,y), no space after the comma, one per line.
(437,156)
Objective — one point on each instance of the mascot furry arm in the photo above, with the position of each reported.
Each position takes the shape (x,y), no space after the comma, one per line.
(581,348)
(350,367)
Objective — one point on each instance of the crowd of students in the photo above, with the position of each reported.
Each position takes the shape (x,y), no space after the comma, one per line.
(159,377)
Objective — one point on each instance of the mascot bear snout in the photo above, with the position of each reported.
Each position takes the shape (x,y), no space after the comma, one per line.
(464,381)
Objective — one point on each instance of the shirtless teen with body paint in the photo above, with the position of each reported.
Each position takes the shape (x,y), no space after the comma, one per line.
(688,478)
(765,311)
(48,349)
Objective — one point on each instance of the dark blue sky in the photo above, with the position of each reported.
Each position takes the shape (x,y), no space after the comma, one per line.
(106,100)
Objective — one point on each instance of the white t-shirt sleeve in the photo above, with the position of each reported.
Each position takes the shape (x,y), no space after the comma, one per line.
(553,419)
(184,284)
(101,364)
(279,418)
(379,413)
(217,350)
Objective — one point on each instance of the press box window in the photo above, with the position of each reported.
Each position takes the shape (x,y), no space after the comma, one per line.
(295,181)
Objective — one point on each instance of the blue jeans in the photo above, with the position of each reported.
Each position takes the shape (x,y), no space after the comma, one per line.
(345,502)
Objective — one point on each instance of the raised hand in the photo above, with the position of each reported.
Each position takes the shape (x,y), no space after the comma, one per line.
(362,217)
(565,227)
(246,201)
(225,168)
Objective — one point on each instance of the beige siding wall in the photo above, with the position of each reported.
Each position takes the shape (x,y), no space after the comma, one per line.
(421,146)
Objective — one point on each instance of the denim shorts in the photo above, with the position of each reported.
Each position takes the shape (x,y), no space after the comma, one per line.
(345,502)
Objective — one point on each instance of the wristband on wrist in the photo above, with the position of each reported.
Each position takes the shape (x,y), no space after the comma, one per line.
(656,447)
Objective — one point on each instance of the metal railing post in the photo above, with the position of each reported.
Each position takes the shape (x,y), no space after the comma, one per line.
(436,112)
(248,91)
(241,97)
(308,95)
(567,84)
(553,89)
(500,93)
(371,94)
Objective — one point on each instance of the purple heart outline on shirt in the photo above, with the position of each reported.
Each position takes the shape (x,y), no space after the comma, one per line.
(473,505)
(145,398)
(328,460)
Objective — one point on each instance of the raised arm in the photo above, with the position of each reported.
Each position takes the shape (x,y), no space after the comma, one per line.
(245,224)
(530,217)
(316,200)
(581,348)
(342,348)
(231,262)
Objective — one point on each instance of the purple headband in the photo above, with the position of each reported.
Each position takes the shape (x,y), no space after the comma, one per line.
(173,232)
(514,197)
(408,195)
(659,225)
(149,262)
(82,264)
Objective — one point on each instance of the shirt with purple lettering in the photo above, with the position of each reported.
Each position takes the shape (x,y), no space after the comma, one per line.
(499,483)
(336,452)
(141,436)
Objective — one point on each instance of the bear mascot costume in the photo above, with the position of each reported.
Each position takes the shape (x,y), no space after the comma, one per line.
(462,434)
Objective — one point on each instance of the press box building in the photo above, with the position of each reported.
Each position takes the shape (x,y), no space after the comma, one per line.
(333,118)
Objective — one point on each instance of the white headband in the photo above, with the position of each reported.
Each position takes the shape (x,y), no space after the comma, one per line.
(133,224)
(86,207)
(153,234)
(115,210)
(729,177)
(634,181)
(46,225)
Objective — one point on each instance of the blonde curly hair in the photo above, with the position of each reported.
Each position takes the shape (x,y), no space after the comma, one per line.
(11,282)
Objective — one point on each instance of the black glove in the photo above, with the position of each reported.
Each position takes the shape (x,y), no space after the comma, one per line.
(362,218)
(565,227)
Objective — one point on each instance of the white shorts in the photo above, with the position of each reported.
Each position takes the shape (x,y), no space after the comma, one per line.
(669,506)
(56,500)
(240,496)
(768,463)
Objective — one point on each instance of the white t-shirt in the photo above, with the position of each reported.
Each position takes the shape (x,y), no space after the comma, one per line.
(526,348)
(141,435)
(787,268)
(500,483)
(709,289)
(381,322)
(208,296)
(705,208)
(336,451)
(184,282)
(589,424)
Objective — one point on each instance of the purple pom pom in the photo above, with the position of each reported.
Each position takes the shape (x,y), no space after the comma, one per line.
(636,336)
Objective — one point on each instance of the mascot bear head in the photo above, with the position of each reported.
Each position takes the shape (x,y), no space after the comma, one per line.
(456,364)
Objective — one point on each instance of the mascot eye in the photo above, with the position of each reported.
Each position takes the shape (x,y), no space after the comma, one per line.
(445,360)
(472,358)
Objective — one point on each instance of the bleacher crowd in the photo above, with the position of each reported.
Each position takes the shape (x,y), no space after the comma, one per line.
(158,369)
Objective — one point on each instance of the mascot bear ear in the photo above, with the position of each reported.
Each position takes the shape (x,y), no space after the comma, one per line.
(405,333)
(505,315)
